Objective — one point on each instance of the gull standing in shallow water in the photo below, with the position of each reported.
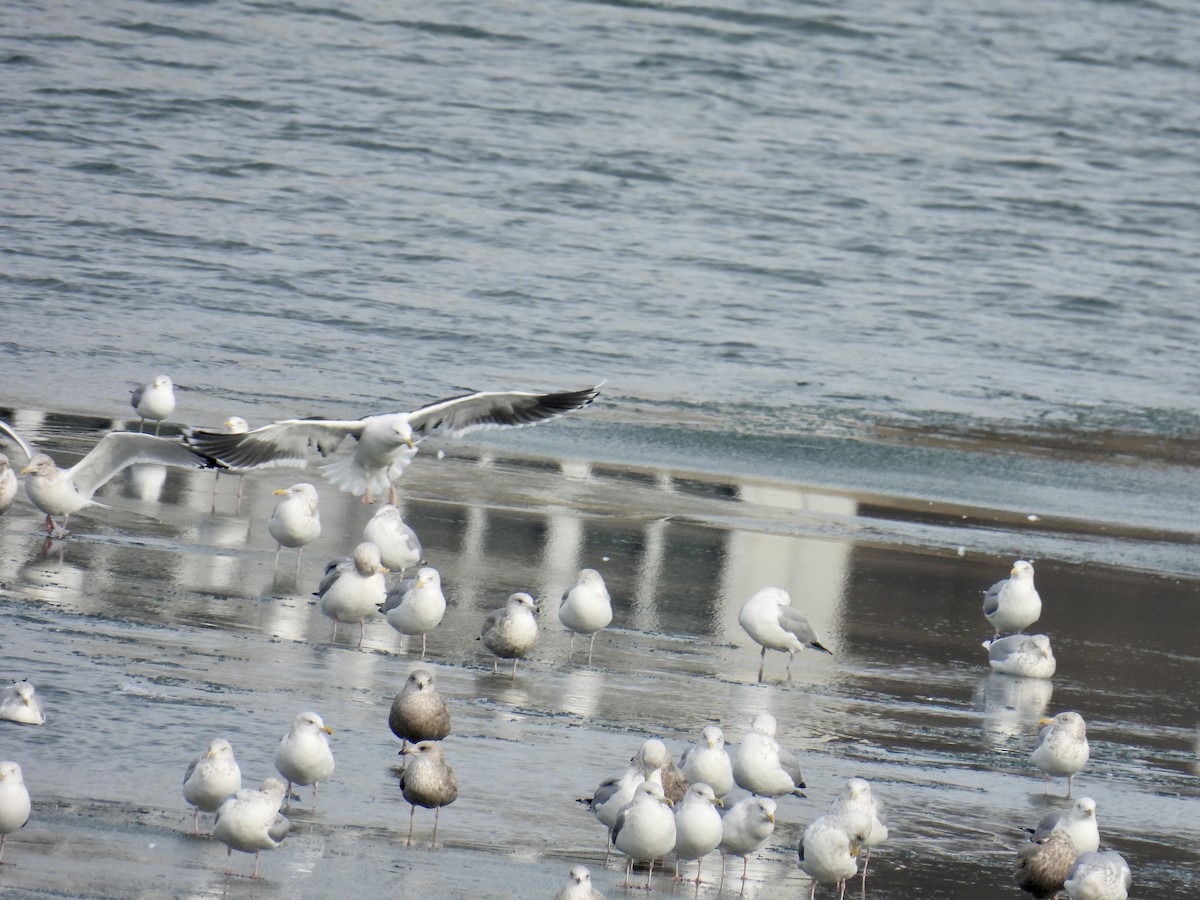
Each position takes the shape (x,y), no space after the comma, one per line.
(60,492)
(250,822)
(828,852)
(295,520)
(768,617)
(745,828)
(762,765)
(14,802)
(19,703)
(579,886)
(698,827)
(303,755)
(708,761)
(1023,655)
(211,777)
(232,425)
(399,547)
(1062,746)
(644,829)
(511,631)
(155,400)
(353,589)
(1013,604)
(1099,876)
(385,443)
(586,608)
(866,813)
(427,780)
(416,606)
(418,712)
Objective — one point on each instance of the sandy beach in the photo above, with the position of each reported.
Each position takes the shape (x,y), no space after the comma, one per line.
(159,625)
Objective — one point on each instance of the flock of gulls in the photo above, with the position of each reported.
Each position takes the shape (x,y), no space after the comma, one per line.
(712,800)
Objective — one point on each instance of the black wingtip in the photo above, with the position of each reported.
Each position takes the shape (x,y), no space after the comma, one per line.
(816,645)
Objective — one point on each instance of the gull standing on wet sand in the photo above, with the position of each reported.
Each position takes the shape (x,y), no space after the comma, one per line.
(828,853)
(60,492)
(746,828)
(385,444)
(1062,747)
(295,520)
(1042,867)
(708,761)
(353,589)
(865,812)
(579,886)
(586,608)
(1099,876)
(8,485)
(1013,604)
(250,822)
(416,606)
(768,617)
(644,829)
(20,703)
(427,780)
(1023,655)
(14,802)
(155,400)
(399,547)
(304,756)
(762,765)
(211,777)
(418,712)
(698,827)
(511,631)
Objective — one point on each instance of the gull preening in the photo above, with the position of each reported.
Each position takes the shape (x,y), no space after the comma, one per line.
(416,605)
(418,712)
(210,778)
(303,756)
(828,852)
(14,802)
(768,617)
(1099,876)
(762,765)
(511,631)
(155,400)
(385,443)
(60,492)
(353,589)
(19,703)
(866,814)
(250,822)
(428,781)
(295,521)
(586,608)
(1013,603)
(1062,746)
(1023,655)
(399,546)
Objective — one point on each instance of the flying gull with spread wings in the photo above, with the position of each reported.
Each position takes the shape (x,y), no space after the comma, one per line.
(387,442)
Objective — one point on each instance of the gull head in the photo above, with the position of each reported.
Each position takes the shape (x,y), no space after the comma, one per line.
(522,600)
(366,560)
(40,466)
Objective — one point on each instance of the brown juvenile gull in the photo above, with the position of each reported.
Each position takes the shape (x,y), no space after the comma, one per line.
(60,492)
(427,780)
(8,484)
(1079,822)
(295,520)
(211,777)
(1013,603)
(303,755)
(385,443)
(155,400)
(20,703)
(14,802)
(768,617)
(1062,747)
(418,712)
(353,589)
(1042,866)
(586,608)
(644,829)
(1099,876)
(1023,655)
(579,886)
(511,631)
(250,821)
(399,546)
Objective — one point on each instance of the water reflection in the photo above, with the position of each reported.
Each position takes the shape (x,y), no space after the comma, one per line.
(1011,707)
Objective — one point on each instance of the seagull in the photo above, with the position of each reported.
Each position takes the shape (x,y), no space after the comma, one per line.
(427,780)
(385,443)
(1062,746)
(399,547)
(867,814)
(19,703)
(1042,866)
(764,767)
(828,852)
(769,619)
(418,712)
(579,886)
(1099,876)
(353,589)
(511,631)
(211,777)
(250,821)
(708,761)
(586,607)
(155,400)
(644,829)
(616,791)
(60,492)
(1023,655)
(295,520)
(8,484)
(416,606)
(746,827)
(1079,822)
(1013,603)
(232,425)
(303,755)
(698,828)
(14,802)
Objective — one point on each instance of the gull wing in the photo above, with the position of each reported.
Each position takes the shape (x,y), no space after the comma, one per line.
(283,443)
(120,449)
(790,620)
(991,597)
(20,441)
(496,409)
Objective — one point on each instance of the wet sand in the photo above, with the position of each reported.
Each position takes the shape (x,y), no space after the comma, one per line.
(158,625)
